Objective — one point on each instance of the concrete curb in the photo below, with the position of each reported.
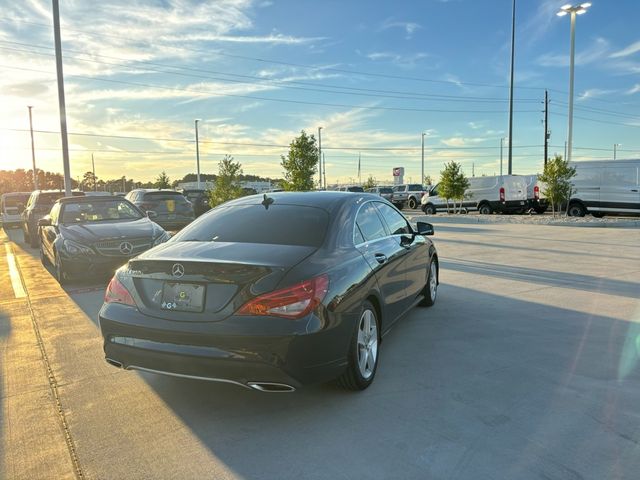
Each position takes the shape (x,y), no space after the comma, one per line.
(522,220)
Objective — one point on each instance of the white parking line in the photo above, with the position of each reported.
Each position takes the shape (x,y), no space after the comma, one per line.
(16,281)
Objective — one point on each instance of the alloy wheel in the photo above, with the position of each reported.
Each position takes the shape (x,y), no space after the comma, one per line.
(367,346)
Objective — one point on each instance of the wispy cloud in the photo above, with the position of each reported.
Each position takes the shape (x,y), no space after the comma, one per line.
(399,59)
(408,27)
(593,53)
(274,38)
(634,89)
(462,141)
(594,93)
(629,50)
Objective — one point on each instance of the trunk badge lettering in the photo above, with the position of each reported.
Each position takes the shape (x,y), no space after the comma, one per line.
(177,270)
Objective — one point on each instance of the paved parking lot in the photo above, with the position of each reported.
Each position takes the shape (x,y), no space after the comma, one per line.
(526,367)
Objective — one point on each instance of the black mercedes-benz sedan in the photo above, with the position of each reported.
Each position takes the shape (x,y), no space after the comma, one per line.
(272,292)
(94,235)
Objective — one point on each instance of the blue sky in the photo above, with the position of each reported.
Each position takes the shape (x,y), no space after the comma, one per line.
(374,75)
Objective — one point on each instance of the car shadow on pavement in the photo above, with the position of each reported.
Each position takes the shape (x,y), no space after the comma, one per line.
(477,384)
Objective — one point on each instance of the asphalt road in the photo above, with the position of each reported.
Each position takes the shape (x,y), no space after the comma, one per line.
(526,368)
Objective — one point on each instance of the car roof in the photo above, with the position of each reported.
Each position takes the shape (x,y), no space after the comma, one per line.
(90,198)
(328,200)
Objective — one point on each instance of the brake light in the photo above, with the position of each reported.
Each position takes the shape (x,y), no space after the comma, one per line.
(502,194)
(118,293)
(536,192)
(292,302)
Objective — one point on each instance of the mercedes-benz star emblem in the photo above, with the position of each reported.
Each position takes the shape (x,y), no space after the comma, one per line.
(177,270)
(126,248)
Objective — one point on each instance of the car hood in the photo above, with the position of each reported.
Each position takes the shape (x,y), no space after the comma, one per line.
(88,233)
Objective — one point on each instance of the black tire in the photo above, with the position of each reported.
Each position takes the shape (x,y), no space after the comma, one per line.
(540,210)
(576,210)
(430,291)
(34,241)
(61,275)
(485,209)
(598,214)
(353,378)
(413,204)
(429,209)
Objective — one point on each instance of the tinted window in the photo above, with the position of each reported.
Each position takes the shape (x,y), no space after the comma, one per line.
(395,221)
(385,190)
(357,235)
(416,187)
(370,223)
(355,189)
(157,196)
(277,225)
(55,211)
(398,188)
(15,200)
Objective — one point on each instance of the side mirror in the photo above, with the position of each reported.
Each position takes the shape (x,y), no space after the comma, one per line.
(44,222)
(425,228)
(152,214)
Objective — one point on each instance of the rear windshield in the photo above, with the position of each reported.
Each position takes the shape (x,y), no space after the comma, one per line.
(277,225)
(386,190)
(415,188)
(15,200)
(355,189)
(194,195)
(157,196)
(49,198)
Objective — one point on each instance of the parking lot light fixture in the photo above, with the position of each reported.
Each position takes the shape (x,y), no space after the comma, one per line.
(197,153)
(615,149)
(572,10)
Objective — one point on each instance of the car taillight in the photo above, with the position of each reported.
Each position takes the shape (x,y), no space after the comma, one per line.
(536,192)
(118,293)
(292,302)
(502,194)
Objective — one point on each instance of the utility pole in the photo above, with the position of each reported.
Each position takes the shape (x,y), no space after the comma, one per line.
(546,127)
(61,102)
(33,151)
(565,150)
(93,167)
(324,169)
(359,170)
(473,169)
(320,152)
(501,144)
(422,173)
(197,155)
(513,44)
(124,185)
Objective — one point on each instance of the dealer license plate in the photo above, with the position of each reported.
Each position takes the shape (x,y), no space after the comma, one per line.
(183,297)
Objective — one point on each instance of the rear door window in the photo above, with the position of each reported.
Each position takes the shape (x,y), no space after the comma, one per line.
(370,223)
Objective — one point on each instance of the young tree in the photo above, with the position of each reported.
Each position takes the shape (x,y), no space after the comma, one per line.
(227,183)
(300,164)
(557,177)
(88,181)
(163,180)
(427,180)
(453,184)
(370,183)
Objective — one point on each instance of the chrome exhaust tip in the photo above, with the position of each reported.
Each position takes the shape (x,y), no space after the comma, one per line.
(113,362)
(271,387)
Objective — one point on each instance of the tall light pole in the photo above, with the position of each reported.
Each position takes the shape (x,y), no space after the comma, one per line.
(572,10)
(501,144)
(33,151)
(422,176)
(197,154)
(93,168)
(513,46)
(61,102)
(615,149)
(320,153)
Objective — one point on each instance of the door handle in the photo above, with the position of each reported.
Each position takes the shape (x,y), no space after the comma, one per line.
(381,258)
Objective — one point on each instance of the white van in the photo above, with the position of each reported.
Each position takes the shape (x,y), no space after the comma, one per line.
(536,199)
(501,193)
(605,187)
(11,207)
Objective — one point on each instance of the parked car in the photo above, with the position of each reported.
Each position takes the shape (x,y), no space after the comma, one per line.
(408,195)
(384,192)
(199,198)
(501,193)
(272,293)
(605,187)
(350,188)
(168,208)
(93,235)
(38,205)
(536,199)
(11,207)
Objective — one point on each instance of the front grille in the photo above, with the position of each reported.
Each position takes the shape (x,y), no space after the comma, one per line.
(111,248)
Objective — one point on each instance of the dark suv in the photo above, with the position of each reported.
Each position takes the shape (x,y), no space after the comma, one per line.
(168,208)
(199,199)
(39,204)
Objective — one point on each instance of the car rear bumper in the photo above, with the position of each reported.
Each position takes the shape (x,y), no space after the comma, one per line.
(174,223)
(510,205)
(209,352)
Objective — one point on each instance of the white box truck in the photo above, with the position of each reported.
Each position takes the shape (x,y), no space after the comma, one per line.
(605,187)
(501,193)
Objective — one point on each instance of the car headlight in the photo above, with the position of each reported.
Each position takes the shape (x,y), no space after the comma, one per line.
(75,248)
(163,237)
